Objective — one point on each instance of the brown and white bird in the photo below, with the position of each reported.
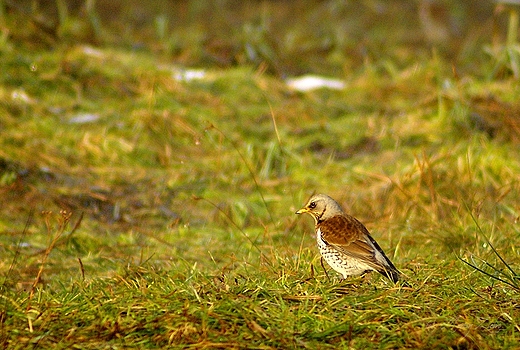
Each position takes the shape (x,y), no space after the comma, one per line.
(344,242)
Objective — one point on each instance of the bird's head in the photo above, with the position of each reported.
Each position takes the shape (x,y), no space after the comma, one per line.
(321,207)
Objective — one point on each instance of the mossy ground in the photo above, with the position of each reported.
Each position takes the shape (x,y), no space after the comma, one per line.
(143,210)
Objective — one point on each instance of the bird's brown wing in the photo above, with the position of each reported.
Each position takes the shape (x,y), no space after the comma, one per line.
(351,237)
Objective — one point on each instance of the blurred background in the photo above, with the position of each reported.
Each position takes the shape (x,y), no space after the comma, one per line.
(289,37)
(97,118)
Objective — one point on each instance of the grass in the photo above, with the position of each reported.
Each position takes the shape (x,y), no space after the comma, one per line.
(143,211)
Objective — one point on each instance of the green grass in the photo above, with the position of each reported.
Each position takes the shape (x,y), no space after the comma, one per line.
(167,221)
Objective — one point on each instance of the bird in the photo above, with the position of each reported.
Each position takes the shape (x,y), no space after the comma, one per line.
(344,242)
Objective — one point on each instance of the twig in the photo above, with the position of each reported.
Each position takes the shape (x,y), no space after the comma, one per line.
(65,217)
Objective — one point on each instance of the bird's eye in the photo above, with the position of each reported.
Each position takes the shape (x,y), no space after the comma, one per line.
(312,205)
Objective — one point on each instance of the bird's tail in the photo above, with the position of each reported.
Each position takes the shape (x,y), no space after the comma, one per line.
(391,273)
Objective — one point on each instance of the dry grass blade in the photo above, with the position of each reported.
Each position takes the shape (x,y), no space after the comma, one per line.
(4,310)
(249,169)
(17,251)
(511,278)
(230,219)
(62,224)
(494,276)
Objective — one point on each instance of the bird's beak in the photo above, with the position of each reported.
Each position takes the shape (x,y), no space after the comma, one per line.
(302,210)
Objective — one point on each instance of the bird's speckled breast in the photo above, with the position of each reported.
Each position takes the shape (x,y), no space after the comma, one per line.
(340,262)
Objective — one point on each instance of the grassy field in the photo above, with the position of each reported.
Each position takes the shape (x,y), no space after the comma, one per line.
(144,209)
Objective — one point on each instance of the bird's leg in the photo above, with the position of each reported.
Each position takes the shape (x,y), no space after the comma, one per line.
(324,269)
(365,276)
